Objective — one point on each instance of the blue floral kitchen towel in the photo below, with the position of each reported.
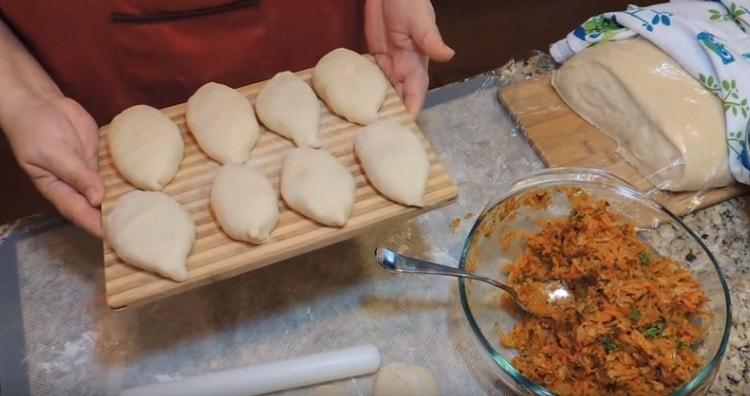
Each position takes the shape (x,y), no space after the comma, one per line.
(710,39)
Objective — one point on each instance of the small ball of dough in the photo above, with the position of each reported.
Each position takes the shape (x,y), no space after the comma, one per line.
(289,107)
(150,230)
(146,146)
(398,379)
(351,85)
(394,160)
(223,122)
(317,185)
(244,202)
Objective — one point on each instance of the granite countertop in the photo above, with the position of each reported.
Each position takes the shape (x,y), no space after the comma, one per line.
(70,343)
(725,229)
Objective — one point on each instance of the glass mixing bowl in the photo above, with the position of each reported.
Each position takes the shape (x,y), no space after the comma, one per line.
(657,226)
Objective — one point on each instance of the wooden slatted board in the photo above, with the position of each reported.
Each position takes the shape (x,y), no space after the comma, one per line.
(564,139)
(215,256)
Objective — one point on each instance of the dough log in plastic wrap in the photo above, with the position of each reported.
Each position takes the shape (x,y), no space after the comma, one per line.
(667,125)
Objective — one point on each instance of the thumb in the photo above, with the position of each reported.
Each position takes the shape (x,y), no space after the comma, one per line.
(427,37)
(72,170)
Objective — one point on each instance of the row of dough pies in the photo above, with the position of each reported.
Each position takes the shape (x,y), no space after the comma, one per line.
(149,229)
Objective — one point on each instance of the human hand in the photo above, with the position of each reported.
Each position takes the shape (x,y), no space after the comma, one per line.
(402,36)
(56,142)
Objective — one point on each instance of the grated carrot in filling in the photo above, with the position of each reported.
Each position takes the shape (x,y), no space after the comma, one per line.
(633,323)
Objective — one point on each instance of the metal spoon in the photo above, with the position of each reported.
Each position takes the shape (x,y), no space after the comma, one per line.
(556,291)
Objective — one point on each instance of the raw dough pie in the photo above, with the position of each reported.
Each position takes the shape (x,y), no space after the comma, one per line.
(223,122)
(317,185)
(152,231)
(289,107)
(665,122)
(244,202)
(352,86)
(146,146)
(394,161)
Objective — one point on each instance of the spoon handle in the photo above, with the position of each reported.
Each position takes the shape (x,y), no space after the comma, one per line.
(397,262)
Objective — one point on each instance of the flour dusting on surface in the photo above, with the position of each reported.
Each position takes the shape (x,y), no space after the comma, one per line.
(71,356)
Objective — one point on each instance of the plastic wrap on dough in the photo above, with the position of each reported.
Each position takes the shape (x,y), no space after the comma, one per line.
(667,125)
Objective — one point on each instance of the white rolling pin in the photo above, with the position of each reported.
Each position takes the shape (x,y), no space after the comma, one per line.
(270,377)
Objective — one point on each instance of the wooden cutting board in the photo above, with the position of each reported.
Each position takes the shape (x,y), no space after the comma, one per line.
(563,139)
(215,256)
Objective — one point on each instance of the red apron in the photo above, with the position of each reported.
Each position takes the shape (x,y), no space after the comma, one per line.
(111,54)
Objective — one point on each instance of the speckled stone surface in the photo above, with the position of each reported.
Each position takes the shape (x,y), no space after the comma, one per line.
(725,229)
